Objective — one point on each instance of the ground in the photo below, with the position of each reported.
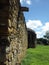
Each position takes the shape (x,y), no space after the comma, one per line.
(37,56)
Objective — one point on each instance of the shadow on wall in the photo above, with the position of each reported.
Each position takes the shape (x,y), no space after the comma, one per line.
(4,43)
(31,38)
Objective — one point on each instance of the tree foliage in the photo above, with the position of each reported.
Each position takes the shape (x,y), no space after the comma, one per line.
(46,34)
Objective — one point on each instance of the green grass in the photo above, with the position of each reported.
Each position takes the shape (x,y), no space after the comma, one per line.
(37,56)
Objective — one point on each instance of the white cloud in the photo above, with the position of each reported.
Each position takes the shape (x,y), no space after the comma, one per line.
(39,34)
(25,1)
(28,2)
(21,1)
(33,24)
(38,27)
(45,27)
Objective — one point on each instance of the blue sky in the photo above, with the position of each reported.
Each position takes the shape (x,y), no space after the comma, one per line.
(38,16)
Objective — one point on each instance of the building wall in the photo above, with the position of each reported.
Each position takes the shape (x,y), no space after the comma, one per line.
(14,43)
(31,38)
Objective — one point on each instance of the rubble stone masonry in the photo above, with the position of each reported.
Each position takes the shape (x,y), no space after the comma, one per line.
(13,33)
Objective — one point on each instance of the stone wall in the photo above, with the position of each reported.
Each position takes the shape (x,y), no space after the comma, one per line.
(31,38)
(13,43)
(4,15)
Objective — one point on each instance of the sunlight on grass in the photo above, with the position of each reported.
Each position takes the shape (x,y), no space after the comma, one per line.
(37,56)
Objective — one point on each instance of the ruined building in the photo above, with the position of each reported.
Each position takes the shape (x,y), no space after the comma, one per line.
(13,33)
(31,38)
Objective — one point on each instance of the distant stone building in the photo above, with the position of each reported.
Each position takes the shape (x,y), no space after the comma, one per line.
(31,38)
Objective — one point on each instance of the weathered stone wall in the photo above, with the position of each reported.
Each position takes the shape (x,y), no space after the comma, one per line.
(31,38)
(4,15)
(14,43)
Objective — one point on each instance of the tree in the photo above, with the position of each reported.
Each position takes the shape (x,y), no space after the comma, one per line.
(46,35)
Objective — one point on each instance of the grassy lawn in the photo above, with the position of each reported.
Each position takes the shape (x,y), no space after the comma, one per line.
(37,56)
